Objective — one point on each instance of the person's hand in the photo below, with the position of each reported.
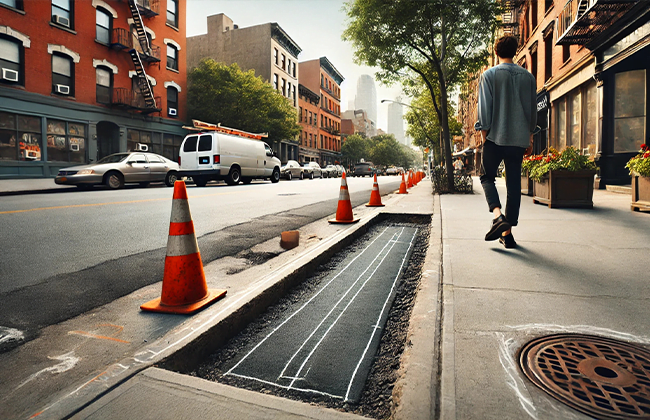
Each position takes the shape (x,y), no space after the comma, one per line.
(529,150)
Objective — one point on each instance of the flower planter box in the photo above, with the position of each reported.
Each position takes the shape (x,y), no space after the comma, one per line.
(566,189)
(526,185)
(640,193)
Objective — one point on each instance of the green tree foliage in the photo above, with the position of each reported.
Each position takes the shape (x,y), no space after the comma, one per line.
(355,148)
(435,41)
(385,150)
(381,150)
(224,94)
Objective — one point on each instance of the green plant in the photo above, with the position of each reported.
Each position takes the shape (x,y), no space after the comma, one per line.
(570,159)
(640,164)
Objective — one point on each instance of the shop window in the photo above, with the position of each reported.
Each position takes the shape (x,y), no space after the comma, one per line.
(172,57)
(172,12)
(103,26)
(104,85)
(561,124)
(156,143)
(62,75)
(133,137)
(171,145)
(172,102)
(11,61)
(16,4)
(591,120)
(575,119)
(63,13)
(629,110)
(20,137)
(66,142)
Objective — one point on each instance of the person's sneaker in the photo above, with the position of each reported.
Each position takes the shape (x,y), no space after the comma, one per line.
(499,225)
(508,241)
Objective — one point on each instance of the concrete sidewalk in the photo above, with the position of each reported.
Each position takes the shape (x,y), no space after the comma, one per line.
(31,186)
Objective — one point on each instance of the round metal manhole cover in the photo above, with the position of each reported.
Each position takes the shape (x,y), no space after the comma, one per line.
(601,377)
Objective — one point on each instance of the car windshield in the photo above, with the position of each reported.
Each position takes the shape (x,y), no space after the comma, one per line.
(118,157)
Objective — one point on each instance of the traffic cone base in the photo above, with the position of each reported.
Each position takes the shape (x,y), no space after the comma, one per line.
(188,308)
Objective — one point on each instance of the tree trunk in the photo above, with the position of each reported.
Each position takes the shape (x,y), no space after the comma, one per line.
(445,137)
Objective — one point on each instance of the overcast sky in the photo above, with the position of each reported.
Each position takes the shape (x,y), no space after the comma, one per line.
(315,25)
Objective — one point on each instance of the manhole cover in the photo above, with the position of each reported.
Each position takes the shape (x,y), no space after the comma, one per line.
(283,194)
(601,377)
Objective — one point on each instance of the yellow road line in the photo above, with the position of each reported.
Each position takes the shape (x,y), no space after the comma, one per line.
(107,204)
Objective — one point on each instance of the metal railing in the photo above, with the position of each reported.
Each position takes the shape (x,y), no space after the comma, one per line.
(131,99)
(124,39)
(149,8)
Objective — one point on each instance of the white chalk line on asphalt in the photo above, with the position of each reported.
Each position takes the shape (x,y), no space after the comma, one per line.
(334,307)
(303,306)
(381,314)
(338,397)
(341,314)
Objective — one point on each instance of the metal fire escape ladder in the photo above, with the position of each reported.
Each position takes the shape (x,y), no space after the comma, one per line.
(139,27)
(143,81)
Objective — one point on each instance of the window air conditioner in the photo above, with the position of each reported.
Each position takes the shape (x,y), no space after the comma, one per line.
(74,147)
(9,75)
(139,147)
(172,111)
(62,89)
(61,20)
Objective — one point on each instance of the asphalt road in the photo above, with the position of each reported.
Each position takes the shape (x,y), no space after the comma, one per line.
(70,252)
(325,343)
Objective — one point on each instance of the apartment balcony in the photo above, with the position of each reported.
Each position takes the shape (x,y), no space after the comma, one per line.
(334,95)
(133,101)
(122,39)
(583,20)
(330,112)
(148,8)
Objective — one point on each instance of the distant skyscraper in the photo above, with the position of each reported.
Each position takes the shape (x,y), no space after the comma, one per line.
(366,98)
(396,121)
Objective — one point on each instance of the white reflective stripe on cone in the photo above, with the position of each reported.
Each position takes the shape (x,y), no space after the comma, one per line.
(344,183)
(182,245)
(344,195)
(180,211)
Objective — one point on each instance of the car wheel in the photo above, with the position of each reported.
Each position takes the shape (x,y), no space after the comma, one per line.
(302,175)
(171,178)
(275,176)
(144,184)
(114,180)
(246,180)
(234,176)
(289,176)
(199,181)
(311,175)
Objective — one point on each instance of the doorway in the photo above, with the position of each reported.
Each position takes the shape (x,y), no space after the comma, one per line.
(108,138)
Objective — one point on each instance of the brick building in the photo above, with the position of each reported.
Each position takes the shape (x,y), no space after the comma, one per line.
(266,48)
(308,119)
(319,75)
(83,79)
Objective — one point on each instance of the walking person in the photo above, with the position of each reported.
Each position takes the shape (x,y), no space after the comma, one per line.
(507,119)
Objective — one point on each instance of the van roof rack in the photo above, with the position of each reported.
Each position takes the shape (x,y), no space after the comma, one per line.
(204,126)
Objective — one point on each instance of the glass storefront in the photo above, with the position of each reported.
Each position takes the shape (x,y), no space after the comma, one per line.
(66,141)
(629,111)
(20,137)
(168,148)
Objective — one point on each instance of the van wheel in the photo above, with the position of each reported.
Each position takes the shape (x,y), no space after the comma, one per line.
(246,180)
(275,176)
(199,181)
(234,176)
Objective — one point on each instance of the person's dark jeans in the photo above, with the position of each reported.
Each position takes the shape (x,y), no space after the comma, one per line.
(512,157)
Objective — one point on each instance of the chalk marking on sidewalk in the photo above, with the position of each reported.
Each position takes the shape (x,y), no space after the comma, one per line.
(342,312)
(101,337)
(286,366)
(399,272)
(303,306)
(68,361)
(10,334)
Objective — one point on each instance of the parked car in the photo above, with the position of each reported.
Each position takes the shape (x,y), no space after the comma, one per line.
(121,168)
(332,172)
(340,169)
(292,169)
(214,156)
(313,170)
(392,171)
(363,169)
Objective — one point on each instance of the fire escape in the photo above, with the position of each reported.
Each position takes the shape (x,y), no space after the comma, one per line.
(141,51)
(583,20)
(510,17)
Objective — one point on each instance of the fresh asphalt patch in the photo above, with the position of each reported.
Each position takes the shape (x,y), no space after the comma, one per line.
(336,339)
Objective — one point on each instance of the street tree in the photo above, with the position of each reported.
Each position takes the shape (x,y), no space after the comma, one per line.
(355,148)
(385,150)
(435,41)
(224,94)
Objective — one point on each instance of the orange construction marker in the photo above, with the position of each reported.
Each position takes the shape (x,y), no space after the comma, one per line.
(402,186)
(375,197)
(344,209)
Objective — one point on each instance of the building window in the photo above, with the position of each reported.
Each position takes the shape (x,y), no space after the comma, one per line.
(294,96)
(294,70)
(629,110)
(62,75)
(172,12)
(11,63)
(66,142)
(172,57)
(311,116)
(289,66)
(283,63)
(275,55)
(275,82)
(547,5)
(533,64)
(172,102)
(16,4)
(533,14)
(104,85)
(548,57)
(104,23)
(62,13)
(321,80)
(284,87)
(300,115)
(20,137)
(566,53)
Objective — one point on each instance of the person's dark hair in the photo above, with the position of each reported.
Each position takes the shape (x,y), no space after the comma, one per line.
(506,46)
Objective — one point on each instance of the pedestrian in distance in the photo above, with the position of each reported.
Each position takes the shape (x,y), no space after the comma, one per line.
(507,120)
(458,165)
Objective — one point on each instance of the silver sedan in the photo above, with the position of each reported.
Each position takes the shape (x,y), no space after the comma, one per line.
(292,169)
(121,168)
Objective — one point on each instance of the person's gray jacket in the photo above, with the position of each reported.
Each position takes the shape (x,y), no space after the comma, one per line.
(507,105)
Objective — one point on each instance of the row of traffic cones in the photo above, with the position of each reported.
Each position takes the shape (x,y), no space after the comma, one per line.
(184,288)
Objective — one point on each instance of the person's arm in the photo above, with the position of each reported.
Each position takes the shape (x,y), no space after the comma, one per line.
(484,107)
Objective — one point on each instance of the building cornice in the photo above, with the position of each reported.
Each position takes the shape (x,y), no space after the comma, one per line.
(281,37)
(331,70)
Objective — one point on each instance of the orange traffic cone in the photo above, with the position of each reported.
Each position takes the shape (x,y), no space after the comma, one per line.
(184,289)
(402,186)
(375,197)
(409,182)
(344,210)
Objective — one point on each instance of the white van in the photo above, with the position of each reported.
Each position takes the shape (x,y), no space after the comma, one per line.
(217,156)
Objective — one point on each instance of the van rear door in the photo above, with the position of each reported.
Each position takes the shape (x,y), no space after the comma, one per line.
(204,155)
(188,152)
